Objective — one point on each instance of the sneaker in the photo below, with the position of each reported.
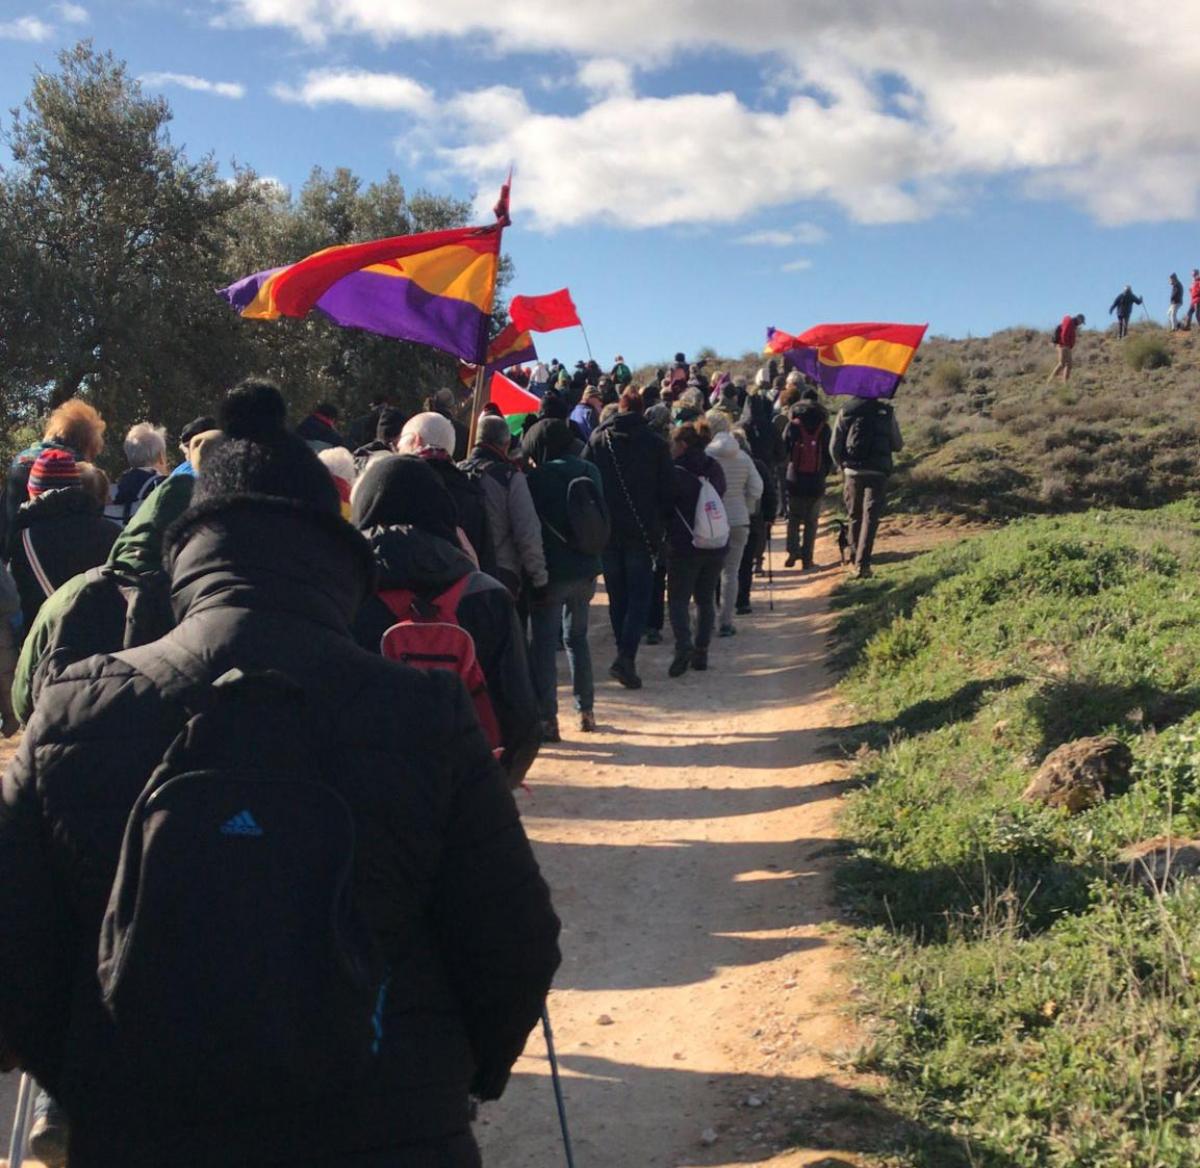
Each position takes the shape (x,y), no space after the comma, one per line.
(653,636)
(587,721)
(864,572)
(743,610)
(679,665)
(700,660)
(624,671)
(726,631)
(48,1140)
(550,731)
(790,562)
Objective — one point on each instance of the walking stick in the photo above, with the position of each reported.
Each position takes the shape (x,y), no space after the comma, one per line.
(22,1121)
(558,1095)
(770,574)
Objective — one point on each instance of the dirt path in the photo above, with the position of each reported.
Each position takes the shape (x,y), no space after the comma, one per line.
(690,846)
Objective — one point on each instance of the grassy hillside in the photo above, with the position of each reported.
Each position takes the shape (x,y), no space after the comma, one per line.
(989,437)
(1030,1005)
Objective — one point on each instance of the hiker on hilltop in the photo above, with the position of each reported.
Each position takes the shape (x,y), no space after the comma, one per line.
(341,931)
(1123,306)
(1194,307)
(1176,302)
(865,436)
(1065,334)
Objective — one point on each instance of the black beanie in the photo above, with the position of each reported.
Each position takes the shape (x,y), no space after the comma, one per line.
(260,457)
(402,491)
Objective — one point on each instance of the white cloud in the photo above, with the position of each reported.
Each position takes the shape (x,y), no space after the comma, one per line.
(72,13)
(357,87)
(1086,100)
(232,89)
(802,233)
(25,28)
(800,265)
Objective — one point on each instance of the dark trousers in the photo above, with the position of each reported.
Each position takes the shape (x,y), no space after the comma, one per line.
(756,545)
(803,520)
(629,579)
(1122,326)
(658,598)
(865,496)
(692,578)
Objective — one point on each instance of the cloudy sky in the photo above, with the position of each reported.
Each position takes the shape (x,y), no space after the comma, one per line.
(696,170)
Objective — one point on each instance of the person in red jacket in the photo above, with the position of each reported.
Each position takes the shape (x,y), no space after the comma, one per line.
(1064,338)
(1194,308)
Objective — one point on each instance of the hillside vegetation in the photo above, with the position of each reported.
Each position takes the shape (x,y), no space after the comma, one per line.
(1032,1004)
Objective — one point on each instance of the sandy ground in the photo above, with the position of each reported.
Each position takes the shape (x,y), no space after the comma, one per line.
(691,846)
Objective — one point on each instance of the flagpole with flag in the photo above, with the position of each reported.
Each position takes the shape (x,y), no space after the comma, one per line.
(503,219)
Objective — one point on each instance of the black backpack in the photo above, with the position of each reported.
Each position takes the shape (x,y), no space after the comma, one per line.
(868,436)
(588,522)
(235,967)
(1056,336)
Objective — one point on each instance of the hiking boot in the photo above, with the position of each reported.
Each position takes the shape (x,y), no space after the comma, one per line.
(624,671)
(679,665)
(550,731)
(864,572)
(653,636)
(726,631)
(587,721)
(700,659)
(743,610)
(790,562)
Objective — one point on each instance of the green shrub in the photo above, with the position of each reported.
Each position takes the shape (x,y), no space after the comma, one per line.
(948,376)
(1147,352)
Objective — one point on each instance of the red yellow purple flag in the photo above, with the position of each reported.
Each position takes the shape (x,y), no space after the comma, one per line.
(859,360)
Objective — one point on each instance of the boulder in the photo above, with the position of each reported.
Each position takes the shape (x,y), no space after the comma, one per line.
(1081,774)
(1161,861)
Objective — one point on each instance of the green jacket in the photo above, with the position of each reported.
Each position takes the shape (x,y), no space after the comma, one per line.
(548,486)
(137,554)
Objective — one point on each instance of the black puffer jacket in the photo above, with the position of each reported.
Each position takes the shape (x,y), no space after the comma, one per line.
(444,874)
(419,562)
(625,448)
(68,535)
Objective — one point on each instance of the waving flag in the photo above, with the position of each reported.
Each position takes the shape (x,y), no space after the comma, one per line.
(544,314)
(436,289)
(859,360)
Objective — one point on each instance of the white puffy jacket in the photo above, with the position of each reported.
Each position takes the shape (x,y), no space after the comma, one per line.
(743,483)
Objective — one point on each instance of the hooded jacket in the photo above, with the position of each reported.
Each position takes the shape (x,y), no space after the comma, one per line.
(124,602)
(444,875)
(512,519)
(469,499)
(415,560)
(639,484)
(68,535)
(743,484)
(885,437)
(546,445)
(812,422)
(688,469)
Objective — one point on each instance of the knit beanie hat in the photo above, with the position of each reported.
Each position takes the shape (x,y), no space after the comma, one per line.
(54,469)
(401,491)
(260,457)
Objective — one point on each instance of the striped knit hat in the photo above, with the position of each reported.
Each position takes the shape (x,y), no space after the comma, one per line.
(53,469)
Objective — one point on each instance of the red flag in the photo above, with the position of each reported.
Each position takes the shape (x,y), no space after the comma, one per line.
(543,314)
(511,398)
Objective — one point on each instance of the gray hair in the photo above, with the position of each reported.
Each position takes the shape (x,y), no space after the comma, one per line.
(494,431)
(145,444)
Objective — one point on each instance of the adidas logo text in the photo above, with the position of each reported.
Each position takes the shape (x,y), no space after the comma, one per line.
(243,823)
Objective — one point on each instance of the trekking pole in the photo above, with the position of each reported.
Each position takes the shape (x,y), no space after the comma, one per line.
(770,574)
(22,1120)
(558,1095)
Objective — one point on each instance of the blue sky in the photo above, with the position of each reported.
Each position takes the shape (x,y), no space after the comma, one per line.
(696,170)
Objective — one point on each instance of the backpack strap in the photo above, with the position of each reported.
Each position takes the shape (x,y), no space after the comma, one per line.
(35,565)
(612,454)
(408,605)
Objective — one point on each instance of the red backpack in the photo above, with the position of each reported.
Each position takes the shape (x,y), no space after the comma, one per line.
(427,635)
(807,454)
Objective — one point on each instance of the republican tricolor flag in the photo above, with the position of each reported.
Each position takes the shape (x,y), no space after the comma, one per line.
(858,360)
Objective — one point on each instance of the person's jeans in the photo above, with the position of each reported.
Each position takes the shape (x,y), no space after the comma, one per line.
(729,572)
(803,520)
(629,578)
(1172,313)
(865,496)
(755,548)
(1122,326)
(692,578)
(566,608)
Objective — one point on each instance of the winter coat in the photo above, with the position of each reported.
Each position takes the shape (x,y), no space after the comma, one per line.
(320,433)
(16,490)
(635,467)
(513,521)
(68,535)
(1123,304)
(585,419)
(688,469)
(122,603)
(408,558)
(758,422)
(886,437)
(812,422)
(1195,292)
(469,498)
(130,492)
(1067,331)
(548,486)
(444,875)
(743,484)
(1176,290)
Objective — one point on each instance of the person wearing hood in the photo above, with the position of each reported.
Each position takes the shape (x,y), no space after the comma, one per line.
(585,417)
(809,464)
(635,467)
(320,430)
(512,519)
(445,403)
(561,608)
(431,437)
(59,533)
(692,573)
(409,519)
(265,579)
(388,429)
(743,489)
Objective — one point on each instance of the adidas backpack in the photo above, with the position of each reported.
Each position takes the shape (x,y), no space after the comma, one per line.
(427,635)
(232,959)
(709,528)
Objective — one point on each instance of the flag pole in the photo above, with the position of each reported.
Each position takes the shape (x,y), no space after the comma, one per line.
(476,406)
(586,341)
